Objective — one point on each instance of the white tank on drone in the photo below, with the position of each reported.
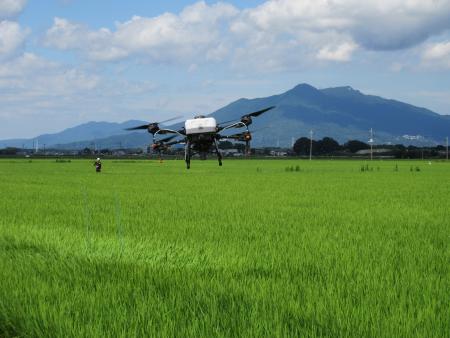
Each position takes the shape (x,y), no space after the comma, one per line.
(200,125)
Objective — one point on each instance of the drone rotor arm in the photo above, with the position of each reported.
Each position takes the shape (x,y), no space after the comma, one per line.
(175,142)
(234,125)
(168,131)
(167,139)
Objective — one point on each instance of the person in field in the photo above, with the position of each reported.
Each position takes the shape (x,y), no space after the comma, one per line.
(98,165)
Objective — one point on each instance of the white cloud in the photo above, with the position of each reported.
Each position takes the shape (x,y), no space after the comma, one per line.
(194,33)
(12,37)
(25,65)
(66,35)
(49,79)
(9,8)
(279,34)
(437,55)
(397,67)
(373,24)
(32,87)
(340,53)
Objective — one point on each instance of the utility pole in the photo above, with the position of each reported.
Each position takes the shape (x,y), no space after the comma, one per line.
(310,144)
(371,144)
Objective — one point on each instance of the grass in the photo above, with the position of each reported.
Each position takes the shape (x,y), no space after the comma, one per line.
(247,249)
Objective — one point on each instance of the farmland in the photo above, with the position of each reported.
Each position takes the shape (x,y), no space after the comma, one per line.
(252,248)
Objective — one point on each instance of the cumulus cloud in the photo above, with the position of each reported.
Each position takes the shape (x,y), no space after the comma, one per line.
(437,54)
(12,37)
(97,45)
(373,24)
(10,8)
(49,78)
(31,85)
(277,34)
(196,31)
(25,65)
(339,53)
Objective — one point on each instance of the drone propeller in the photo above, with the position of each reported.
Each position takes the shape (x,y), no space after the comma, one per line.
(144,126)
(259,112)
(247,118)
(153,127)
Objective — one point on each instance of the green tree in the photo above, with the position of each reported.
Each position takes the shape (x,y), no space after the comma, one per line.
(355,145)
(301,146)
(327,146)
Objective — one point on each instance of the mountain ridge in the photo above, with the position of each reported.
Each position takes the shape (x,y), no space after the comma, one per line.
(340,112)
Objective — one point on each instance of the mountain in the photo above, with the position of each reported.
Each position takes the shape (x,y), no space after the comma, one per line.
(130,140)
(342,113)
(87,133)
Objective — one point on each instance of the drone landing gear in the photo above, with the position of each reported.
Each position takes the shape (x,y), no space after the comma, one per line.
(219,155)
(187,154)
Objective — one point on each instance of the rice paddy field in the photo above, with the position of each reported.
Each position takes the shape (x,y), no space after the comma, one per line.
(254,248)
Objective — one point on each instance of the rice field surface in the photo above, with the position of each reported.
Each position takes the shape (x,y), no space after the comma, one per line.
(254,248)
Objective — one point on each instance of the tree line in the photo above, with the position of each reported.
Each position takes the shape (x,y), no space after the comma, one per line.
(329,146)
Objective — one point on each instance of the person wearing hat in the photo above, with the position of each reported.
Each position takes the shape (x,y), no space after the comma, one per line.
(98,165)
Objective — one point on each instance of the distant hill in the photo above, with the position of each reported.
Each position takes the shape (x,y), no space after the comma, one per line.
(342,113)
(86,133)
(129,140)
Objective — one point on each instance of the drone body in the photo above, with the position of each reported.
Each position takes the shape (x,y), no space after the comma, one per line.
(201,135)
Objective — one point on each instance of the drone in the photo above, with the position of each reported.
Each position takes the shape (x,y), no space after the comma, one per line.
(201,135)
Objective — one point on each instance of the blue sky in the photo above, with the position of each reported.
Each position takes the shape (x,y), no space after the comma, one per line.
(65,62)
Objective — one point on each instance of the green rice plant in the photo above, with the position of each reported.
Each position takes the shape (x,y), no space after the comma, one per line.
(149,249)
